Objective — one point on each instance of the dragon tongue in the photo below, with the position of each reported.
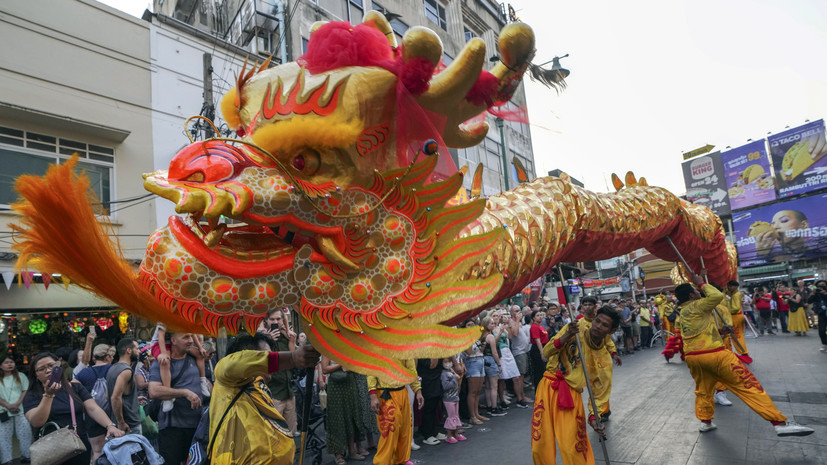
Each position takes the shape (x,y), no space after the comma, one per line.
(332,253)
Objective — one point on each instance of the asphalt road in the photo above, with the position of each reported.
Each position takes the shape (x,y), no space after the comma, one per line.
(653,419)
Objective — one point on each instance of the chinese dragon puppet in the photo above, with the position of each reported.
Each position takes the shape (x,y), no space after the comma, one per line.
(338,187)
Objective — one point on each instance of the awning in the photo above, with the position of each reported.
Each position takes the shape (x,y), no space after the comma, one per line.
(780,268)
(801,274)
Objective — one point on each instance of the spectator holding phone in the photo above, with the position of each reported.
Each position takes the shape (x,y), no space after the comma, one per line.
(50,399)
(277,325)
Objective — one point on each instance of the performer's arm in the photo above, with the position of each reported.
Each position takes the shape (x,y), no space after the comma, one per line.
(712,299)
(563,337)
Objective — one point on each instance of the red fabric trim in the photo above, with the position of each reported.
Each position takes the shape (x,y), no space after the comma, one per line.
(272,362)
(591,417)
(559,384)
(375,391)
(557,344)
(699,352)
(776,423)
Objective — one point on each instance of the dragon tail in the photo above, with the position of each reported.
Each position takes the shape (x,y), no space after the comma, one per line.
(59,233)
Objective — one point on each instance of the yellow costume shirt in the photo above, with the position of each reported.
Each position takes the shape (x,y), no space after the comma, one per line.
(253,432)
(698,324)
(733,302)
(566,359)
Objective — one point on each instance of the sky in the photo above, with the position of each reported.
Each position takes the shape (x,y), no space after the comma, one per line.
(652,79)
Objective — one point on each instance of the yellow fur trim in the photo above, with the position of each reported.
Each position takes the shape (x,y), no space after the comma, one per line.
(229,111)
(301,131)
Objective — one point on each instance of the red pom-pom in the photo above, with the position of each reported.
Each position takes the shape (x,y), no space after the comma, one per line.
(338,44)
(415,74)
(484,90)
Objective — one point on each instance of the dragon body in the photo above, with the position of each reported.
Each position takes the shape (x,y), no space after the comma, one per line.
(338,213)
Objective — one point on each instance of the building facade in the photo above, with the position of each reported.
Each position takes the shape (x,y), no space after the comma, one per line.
(282,29)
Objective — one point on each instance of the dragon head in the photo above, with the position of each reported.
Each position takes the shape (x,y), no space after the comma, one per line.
(333,205)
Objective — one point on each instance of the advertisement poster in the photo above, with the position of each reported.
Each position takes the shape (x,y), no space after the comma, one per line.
(748,175)
(705,183)
(782,232)
(799,156)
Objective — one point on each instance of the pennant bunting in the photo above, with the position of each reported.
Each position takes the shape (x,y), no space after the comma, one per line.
(8,278)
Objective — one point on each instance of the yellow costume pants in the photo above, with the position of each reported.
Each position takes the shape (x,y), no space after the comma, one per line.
(567,426)
(738,330)
(395,429)
(723,366)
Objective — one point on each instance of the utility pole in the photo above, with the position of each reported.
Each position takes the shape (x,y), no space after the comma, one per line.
(208,109)
(506,173)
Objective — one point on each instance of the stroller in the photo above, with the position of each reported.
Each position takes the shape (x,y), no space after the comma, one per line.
(314,439)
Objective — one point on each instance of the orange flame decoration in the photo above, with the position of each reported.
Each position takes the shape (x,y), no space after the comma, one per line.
(279,105)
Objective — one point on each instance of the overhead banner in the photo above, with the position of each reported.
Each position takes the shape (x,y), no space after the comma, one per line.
(798,156)
(705,183)
(782,232)
(748,175)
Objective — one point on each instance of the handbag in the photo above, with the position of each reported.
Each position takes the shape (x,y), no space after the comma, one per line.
(4,416)
(59,446)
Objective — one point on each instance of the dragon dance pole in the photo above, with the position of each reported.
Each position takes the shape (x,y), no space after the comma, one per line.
(308,401)
(601,439)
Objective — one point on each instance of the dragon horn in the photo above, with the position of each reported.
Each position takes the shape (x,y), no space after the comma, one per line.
(630,179)
(449,88)
(379,22)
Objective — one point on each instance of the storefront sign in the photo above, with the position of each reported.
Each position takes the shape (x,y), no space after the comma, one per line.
(705,183)
(748,176)
(799,156)
(782,232)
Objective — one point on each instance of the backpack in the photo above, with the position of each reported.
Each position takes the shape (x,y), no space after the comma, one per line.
(100,392)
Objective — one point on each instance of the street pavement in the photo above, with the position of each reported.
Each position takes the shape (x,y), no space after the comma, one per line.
(653,419)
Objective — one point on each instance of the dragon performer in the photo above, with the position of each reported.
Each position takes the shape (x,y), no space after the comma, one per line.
(339,207)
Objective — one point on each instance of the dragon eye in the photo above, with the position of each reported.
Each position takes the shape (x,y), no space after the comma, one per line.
(307,161)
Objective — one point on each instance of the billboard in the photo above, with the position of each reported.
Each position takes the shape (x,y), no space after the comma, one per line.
(748,176)
(798,156)
(705,183)
(781,232)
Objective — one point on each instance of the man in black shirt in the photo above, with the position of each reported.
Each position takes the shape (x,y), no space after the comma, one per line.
(819,301)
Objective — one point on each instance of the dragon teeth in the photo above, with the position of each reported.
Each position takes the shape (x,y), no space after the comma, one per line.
(214,236)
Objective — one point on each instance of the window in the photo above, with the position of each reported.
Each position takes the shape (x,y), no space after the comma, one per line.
(26,152)
(469,34)
(436,13)
(305,42)
(356,11)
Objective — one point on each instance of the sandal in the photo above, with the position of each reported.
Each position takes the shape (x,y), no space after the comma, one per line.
(476,421)
(358,457)
(340,460)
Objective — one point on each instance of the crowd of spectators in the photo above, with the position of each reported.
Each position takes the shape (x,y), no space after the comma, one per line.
(161,389)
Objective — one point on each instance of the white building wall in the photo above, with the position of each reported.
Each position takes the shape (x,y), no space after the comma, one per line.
(79,70)
(178,91)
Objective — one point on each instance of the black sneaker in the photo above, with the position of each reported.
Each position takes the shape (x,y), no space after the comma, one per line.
(605,417)
(522,404)
(497,412)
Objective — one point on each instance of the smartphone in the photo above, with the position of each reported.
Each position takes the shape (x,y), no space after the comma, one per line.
(57,373)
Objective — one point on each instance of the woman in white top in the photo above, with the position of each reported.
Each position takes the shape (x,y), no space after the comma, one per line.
(13,389)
